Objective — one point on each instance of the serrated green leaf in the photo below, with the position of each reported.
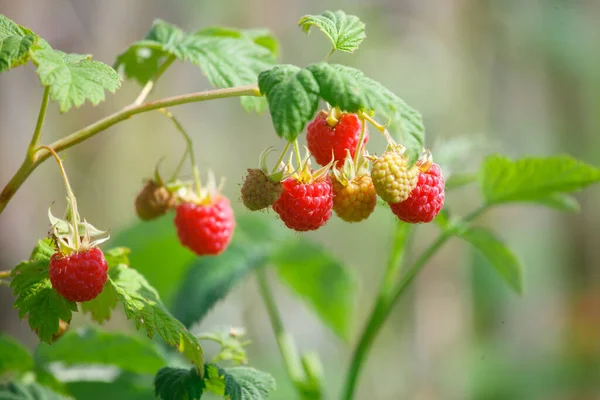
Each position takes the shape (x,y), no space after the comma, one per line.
(178,384)
(142,303)
(94,346)
(211,278)
(228,57)
(293,97)
(346,32)
(500,257)
(15,42)
(73,78)
(35,296)
(100,308)
(28,391)
(14,356)
(536,180)
(43,250)
(239,383)
(154,245)
(320,280)
(352,91)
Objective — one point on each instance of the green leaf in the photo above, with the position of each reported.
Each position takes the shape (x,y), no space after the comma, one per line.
(116,256)
(125,386)
(346,32)
(443,219)
(352,91)
(142,303)
(560,202)
(293,97)
(15,42)
(211,278)
(319,279)
(499,256)
(100,308)
(228,57)
(178,384)
(537,180)
(94,346)
(35,296)
(239,383)
(73,78)
(27,391)
(457,181)
(15,357)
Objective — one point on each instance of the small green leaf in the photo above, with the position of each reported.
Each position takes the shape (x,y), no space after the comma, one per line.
(93,346)
(350,90)
(100,308)
(346,32)
(116,256)
(35,296)
(73,78)
(319,279)
(142,303)
(28,391)
(178,384)
(499,256)
(14,357)
(239,383)
(537,180)
(211,278)
(293,97)
(15,42)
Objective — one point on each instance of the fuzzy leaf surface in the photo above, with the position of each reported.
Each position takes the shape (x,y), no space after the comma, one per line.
(141,303)
(346,32)
(178,384)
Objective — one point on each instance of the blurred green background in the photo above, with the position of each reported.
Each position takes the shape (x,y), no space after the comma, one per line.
(518,77)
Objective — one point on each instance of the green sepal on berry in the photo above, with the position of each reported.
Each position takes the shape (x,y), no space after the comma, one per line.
(70,238)
(354,196)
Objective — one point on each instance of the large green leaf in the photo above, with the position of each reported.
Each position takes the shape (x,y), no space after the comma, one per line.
(35,296)
(93,346)
(321,280)
(228,57)
(13,356)
(28,391)
(157,254)
(73,78)
(15,42)
(536,180)
(142,303)
(239,383)
(293,97)
(126,386)
(346,32)
(211,278)
(178,384)
(499,256)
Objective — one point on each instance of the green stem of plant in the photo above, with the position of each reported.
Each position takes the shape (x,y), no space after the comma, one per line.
(190,148)
(179,165)
(29,165)
(282,156)
(297,151)
(287,348)
(73,214)
(5,274)
(150,84)
(329,54)
(389,295)
(361,138)
(37,134)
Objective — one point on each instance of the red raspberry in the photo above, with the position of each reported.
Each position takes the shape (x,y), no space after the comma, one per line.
(425,200)
(78,276)
(206,229)
(305,206)
(322,138)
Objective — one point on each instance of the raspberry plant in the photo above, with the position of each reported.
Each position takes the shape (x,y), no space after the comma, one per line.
(62,274)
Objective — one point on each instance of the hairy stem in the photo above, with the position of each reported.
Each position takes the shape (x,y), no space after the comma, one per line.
(389,295)
(37,134)
(150,84)
(287,348)
(190,148)
(89,131)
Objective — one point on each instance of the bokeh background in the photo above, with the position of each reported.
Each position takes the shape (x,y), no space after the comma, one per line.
(518,77)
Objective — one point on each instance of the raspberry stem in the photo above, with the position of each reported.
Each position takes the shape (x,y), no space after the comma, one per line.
(37,134)
(72,213)
(359,147)
(297,152)
(380,128)
(282,156)
(190,149)
(150,84)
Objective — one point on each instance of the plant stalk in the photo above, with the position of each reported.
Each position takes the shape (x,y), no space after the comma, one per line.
(150,84)
(37,134)
(89,131)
